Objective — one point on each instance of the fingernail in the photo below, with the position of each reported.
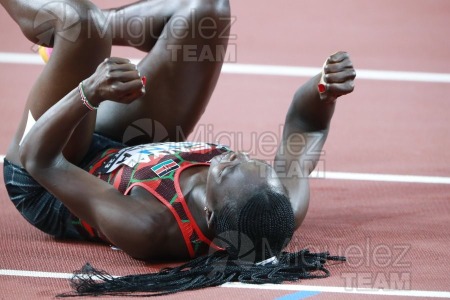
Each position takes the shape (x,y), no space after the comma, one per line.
(144,80)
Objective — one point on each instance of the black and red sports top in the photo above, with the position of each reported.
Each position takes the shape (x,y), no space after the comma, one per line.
(157,168)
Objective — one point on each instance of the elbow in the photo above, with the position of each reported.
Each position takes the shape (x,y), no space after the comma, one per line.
(26,158)
(30,164)
(299,218)
(142,249)
(34,163)
(140,238)
(145,248)
(300,209)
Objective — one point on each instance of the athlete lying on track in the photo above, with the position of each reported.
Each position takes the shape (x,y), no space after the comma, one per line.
(72,176)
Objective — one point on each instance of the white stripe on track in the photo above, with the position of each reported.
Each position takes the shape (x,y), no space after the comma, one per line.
(254,69)
(21,273)
(340,290)
(275,287)
(248,69)
(382,177)
(369,177)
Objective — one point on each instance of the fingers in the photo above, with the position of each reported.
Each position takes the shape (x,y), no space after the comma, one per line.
(332,67)
(340,77)
(340,89)
(338,57)
(338,62)
(118,64)
(126,92)
(117,60)
(337,77)
(117,79)
(122,67)
(124,76)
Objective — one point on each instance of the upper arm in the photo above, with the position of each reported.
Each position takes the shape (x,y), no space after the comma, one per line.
(124,221)
(297,156)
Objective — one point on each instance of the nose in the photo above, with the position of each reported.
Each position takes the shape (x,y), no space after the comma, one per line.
(230,156)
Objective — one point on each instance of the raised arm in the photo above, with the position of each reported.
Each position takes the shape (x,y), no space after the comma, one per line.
(88,197)
(306,128)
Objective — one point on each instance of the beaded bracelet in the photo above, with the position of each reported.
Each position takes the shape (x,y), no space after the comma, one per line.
(84,99)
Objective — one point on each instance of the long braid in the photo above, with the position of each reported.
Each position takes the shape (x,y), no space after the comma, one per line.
(255,232)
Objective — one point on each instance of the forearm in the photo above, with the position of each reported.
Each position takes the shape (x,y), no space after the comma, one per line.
(306,128)
(308,111)
(115,79)
(43,145)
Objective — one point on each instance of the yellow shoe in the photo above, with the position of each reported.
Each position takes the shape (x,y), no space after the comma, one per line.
(45,53)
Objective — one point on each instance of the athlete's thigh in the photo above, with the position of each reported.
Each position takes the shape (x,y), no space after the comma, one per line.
(182,70)
(75,56)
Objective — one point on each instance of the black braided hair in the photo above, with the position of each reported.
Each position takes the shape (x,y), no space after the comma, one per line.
(249,232)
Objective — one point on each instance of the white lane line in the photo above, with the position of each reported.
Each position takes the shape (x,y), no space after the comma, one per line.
(381,177)
(361,73)
(20,58)
(21,273)
(273,70)
(276,287)
(340,290)
(368,177)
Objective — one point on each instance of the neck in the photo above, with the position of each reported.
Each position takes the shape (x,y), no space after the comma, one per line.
(193,186)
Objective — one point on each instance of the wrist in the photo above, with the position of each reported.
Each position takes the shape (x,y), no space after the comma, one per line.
(90,93)
(84,99)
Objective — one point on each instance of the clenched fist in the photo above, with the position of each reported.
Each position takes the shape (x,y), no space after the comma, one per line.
(337,78)
(115,79)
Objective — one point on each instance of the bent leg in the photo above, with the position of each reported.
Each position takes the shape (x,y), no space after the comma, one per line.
(76,55)
(188,40)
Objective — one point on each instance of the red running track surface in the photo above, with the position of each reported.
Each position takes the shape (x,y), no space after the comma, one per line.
(395,234)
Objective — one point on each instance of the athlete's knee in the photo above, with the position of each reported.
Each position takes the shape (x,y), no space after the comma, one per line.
(69,19)
(83,20)
(215,9)
(211,17)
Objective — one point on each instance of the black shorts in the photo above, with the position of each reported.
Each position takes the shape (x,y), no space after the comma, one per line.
(39,207)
